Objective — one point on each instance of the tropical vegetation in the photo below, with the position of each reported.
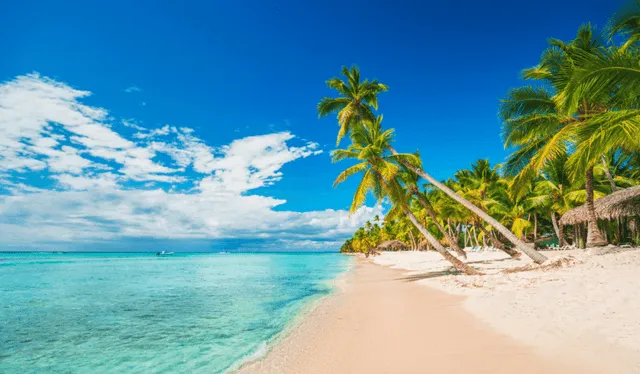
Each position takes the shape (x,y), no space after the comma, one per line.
(573,134)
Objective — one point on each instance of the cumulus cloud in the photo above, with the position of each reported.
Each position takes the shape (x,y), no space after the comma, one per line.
(70,174)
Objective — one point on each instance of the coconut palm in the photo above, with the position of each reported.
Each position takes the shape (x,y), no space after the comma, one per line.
(519,244)
(356,106)
(379,169)
(410,180)
(543,126)
(479,185)
(356,103)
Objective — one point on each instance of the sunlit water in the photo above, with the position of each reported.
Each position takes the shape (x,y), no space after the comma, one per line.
(135,313)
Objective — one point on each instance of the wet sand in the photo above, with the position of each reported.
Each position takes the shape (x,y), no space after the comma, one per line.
(383,322)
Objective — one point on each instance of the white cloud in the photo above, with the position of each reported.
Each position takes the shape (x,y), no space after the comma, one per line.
(132,89)
(102,181)
(104,185)
(253,162)
(101,212)
(39,115)
(133,124)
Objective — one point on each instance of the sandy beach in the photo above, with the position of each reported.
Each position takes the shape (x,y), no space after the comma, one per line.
(384,321)
(583,307)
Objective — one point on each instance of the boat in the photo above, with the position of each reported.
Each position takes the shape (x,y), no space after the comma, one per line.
(163,253)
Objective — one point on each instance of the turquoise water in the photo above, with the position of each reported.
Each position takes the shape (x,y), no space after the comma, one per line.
(138,313)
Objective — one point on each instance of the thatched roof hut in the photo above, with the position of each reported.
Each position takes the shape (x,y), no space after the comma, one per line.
(392,245)
(623,203)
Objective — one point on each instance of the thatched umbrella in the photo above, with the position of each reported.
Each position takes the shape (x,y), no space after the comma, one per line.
(624,203)
(391,245)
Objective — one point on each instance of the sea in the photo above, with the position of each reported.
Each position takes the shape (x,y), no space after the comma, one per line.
(141,313)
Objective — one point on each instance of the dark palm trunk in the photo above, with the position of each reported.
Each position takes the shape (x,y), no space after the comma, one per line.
(498,244)
(594,235)
(519,244)
(429,208)
(461,266)
(558,229)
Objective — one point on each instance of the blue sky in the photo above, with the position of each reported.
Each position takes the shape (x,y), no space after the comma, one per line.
(179,99)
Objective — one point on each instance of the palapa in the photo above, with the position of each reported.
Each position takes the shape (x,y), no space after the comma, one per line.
(623,203)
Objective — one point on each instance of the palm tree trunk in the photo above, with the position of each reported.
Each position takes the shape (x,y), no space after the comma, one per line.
(429,208)
(465,236)
(608,173)
(413,241)
(620,225)
(453,234)
(434,242)
(594,235)
(537,257)
(475,236)
(557,229)
(535,228)
(498,244)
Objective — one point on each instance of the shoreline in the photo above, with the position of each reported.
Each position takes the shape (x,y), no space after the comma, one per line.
(378,321)
(337,285)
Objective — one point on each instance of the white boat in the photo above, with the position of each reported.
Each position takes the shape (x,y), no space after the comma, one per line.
(163,253)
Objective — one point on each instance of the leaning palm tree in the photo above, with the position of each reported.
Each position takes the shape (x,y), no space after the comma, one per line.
(479,185)
(519,244)
(379,169)
(356,103)
(410,180)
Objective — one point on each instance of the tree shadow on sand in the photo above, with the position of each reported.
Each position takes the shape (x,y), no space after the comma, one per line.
(492,261)
(430,275)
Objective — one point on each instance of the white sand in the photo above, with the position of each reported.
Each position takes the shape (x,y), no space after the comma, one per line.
(589,309)
(379,322)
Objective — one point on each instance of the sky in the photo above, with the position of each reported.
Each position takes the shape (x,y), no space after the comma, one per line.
(192,125)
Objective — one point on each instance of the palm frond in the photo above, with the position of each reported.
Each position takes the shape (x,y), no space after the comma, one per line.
(366,184)
(329,105)
(357,168)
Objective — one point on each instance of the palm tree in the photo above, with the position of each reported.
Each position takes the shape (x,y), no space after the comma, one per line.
(479,185)
(380,171)
(356,103)
(543,125)
(519,244)
(512,211)
(553,191)
(410,180)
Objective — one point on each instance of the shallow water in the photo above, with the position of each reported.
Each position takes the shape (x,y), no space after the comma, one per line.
(134,313)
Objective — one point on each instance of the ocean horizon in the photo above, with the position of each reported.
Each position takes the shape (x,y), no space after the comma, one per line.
(137,312)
